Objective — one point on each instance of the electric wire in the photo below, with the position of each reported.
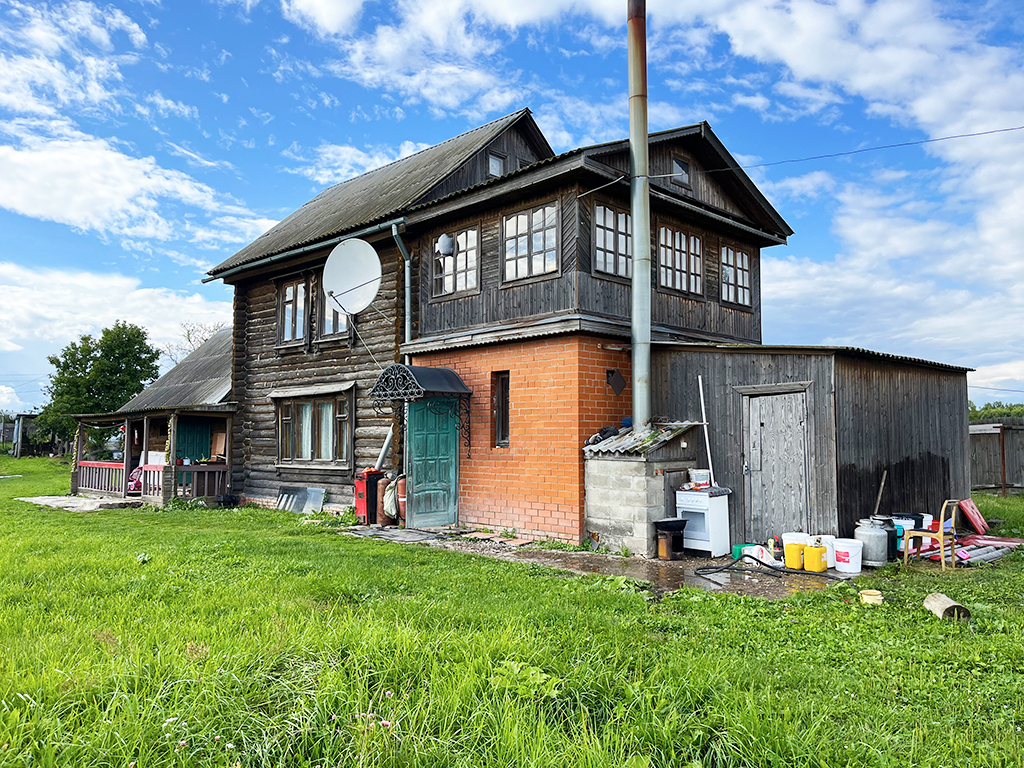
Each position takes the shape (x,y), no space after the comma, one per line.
(778,570)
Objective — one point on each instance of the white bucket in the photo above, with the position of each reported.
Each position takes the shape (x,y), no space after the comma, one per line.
(794,537)
(848,553)
(829,543)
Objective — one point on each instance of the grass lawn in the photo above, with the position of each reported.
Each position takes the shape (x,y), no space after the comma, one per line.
(240,637)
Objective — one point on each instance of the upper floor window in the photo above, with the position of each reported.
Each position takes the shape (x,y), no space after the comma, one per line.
(495,164)
(679,259)
(332,320)
(530,242)
(680,172)
(613,250)
(456,262)
(735,276)
(292,312)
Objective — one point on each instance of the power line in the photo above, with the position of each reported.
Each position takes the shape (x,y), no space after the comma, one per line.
(994,389)
(884,146)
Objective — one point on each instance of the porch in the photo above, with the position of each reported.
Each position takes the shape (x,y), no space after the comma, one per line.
(164,456)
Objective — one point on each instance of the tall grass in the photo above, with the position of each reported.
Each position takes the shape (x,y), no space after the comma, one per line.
(242,637)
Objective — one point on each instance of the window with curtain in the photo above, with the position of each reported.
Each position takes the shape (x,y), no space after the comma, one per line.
(315,429)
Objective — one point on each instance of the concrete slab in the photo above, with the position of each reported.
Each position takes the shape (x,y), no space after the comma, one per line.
(83,503)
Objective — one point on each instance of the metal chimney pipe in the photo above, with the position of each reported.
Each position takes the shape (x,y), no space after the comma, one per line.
(640,204)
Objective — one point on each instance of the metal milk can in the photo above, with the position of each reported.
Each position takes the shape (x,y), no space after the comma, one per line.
(876,543)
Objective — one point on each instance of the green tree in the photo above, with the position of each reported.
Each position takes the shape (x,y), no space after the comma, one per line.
(995,410)
(97,376)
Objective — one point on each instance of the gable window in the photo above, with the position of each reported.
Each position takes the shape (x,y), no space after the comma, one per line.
(315,429)
(530,244)
(499,386)
(613,250)
(680,172)
(332,320)
(735,276)
(495,165)
(456,260)
(679,259)
(292,314)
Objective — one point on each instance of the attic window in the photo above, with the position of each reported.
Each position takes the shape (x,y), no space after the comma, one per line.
(680,172)
(495,165)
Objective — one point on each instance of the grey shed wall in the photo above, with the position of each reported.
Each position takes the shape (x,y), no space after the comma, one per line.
(674,378)
(909,419)
(986,455)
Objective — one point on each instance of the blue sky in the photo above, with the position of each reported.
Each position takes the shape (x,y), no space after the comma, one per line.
(143,142)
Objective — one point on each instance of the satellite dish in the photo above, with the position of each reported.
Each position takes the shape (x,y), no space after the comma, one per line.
(351,276)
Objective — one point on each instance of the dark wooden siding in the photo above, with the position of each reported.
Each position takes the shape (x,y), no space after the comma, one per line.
(511,145)
(495,302)
(260,367)
(676,396)
(987,455)
(705,315)
(907,419)
(703,186)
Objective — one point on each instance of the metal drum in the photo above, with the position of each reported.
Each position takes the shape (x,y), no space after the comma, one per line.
(876,543)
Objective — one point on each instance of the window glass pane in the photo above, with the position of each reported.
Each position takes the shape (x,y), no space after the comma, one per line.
(304,430)
(495,165)
(325,431)
(343,429)
(287,333)
(300,310)
(680,171)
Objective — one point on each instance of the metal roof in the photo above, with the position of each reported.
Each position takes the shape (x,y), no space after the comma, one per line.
(201,379)
(643,442)
(413,382)
(373,196)
(811,350)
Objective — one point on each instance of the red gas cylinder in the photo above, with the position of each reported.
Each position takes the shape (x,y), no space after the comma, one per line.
(401,500)
(366,495)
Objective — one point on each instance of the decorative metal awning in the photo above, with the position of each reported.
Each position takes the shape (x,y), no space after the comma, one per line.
(408,383)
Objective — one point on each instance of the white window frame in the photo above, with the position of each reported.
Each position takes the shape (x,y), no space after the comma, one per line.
(522,257)
(737,287)
(613,241)
(462,264)
(680,260)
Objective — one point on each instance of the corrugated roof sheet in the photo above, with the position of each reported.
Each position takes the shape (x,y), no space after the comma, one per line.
(374,196)
(201,379)
(643,442)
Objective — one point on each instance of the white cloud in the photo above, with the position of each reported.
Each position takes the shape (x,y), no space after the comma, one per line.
(326,17)
(50,307)
(197,160)
(166,107)
(9,400)
(54,172)
(809,186)
(334,163)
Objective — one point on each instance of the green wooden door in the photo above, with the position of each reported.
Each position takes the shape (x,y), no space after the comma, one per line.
(433,476)
(193,439)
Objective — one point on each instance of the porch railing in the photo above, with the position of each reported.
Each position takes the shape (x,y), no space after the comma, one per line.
(202,480)
(105,477)
(151,481)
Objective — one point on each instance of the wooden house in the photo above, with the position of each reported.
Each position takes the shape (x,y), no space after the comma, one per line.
(519,264)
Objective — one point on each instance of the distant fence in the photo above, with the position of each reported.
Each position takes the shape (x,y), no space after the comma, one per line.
(997,454)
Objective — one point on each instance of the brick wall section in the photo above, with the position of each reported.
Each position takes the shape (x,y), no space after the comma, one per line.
(558,397)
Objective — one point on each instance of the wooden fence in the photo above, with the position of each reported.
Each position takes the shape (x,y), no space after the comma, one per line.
(105,478)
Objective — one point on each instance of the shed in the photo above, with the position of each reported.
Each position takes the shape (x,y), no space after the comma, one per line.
(803,434)
(997,454)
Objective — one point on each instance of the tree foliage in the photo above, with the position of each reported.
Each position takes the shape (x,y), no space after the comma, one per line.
(98,376)
(995,410)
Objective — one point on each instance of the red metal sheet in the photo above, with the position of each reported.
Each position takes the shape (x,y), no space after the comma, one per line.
(990,541)
(974,516)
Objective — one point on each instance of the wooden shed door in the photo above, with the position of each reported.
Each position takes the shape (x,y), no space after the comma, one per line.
(433,463)
(776,463)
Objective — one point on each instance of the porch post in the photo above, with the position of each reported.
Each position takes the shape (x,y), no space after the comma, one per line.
(127,457)
(172,451)
(228,443)
(78,457)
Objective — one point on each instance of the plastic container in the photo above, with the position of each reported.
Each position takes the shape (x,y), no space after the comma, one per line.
(795,556)
(815,559)
(700,477)
(848,555)
(795,537)
(829,543)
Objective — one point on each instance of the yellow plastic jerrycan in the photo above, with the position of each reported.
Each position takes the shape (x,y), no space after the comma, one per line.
(795,556)
(815,559)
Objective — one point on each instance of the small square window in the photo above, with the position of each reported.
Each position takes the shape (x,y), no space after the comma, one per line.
(680,172)
(495,165)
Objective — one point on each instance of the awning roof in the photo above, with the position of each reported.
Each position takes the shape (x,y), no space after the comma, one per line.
(415,382)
